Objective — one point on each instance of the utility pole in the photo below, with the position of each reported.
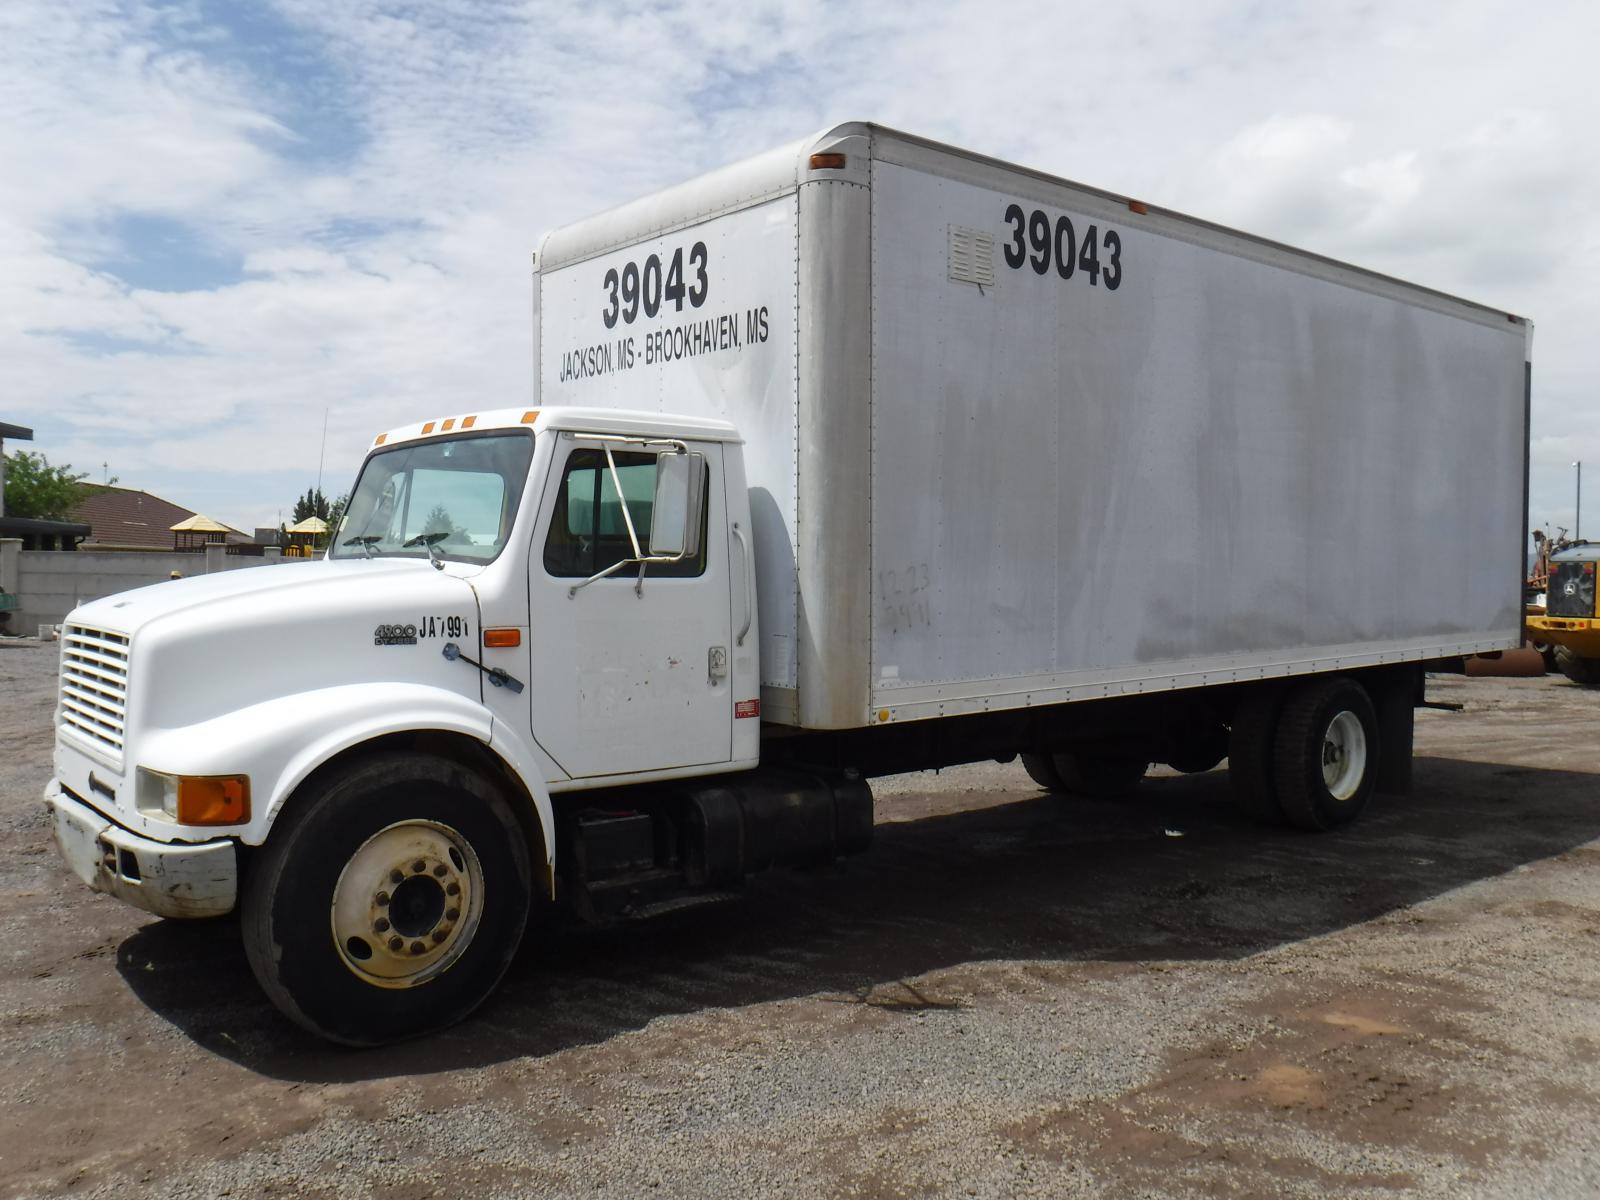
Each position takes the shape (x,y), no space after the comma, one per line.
(1577,520)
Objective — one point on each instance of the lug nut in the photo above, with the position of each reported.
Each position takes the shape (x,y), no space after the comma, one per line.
(439,935)
(453,914)
(452,889)
(419,866)
(381,924)
(395,876)
(382,898)
(439,871)
(395,944)
(418,947)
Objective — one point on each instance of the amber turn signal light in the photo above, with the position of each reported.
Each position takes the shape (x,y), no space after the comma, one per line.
(213,799)
(502,639)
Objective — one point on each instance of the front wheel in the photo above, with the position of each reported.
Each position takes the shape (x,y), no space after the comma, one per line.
(389,902)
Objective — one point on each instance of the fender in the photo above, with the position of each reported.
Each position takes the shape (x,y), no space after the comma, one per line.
(280,742)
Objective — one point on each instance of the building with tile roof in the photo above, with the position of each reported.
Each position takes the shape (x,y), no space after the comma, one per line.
(123,519)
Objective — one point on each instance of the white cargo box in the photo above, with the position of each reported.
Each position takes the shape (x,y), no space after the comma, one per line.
(1014,441)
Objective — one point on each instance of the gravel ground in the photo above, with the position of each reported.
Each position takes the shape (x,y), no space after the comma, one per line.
(1007,997)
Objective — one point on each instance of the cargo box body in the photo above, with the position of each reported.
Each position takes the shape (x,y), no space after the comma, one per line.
(1011,441)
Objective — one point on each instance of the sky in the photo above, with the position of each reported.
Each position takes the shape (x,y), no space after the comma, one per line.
(223,223)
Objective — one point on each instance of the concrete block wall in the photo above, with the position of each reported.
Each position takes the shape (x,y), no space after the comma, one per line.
(51,583)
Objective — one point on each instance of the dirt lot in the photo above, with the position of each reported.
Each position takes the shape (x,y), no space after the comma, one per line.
(1006,997)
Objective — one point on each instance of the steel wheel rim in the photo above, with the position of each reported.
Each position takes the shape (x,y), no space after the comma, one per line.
(407,903)
(1344,755)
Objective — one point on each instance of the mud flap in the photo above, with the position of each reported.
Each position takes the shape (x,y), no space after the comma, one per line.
(1395,694)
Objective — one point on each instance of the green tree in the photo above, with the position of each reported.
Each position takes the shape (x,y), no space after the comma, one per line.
(315,504)
(36,489)
(312,504)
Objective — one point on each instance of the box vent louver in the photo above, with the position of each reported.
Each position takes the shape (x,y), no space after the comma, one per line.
(971,256)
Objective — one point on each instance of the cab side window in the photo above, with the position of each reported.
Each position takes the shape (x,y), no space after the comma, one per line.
(587,531)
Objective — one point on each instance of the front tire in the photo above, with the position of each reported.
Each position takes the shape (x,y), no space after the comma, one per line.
(1326,753)
(389,901)
(1581,670)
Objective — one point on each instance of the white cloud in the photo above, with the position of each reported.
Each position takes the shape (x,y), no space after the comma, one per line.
(366,180)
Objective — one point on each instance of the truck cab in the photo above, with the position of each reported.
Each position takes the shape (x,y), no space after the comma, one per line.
(516,605)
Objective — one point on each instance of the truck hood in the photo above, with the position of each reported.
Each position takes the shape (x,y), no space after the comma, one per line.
(199,648)
(270,590)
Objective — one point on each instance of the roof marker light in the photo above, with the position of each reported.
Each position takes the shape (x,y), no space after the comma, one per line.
(448,425)
(428,428)
(468,422)
(529,417)
(827,162)
(379,440)
(1138,206)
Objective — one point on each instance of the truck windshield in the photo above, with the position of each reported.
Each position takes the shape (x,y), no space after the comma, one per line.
(454,496)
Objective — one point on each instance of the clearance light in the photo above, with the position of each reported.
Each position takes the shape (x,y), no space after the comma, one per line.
(827,162)
(468,422)
(378,441)
(529,417)
(428,428)
(195,799)
(502,639)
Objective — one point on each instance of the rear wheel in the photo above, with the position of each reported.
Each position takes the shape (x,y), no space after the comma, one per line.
(1325,753)
(1576,667)
(389,902)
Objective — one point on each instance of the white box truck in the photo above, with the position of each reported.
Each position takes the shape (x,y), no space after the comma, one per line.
(864,455)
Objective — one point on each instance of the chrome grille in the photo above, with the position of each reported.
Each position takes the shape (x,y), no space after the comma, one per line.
(94,685)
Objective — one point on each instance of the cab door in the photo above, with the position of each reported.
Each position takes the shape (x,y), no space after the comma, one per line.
(629,673)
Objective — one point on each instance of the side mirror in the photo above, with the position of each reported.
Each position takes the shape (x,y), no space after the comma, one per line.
(676,517)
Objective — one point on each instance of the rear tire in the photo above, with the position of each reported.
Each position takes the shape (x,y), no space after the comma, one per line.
(1581,670)
(389,901)
(1326,753)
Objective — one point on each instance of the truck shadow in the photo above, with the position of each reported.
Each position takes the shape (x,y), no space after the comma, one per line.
(1174,873)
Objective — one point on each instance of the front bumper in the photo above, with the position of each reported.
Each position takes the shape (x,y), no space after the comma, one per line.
(176,879)
(1579,634)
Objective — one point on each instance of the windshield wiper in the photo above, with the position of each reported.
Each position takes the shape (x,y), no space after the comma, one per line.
(430,540)
(496,675)
(364,542)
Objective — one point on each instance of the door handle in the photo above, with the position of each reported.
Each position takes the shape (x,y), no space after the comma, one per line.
(749,584)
